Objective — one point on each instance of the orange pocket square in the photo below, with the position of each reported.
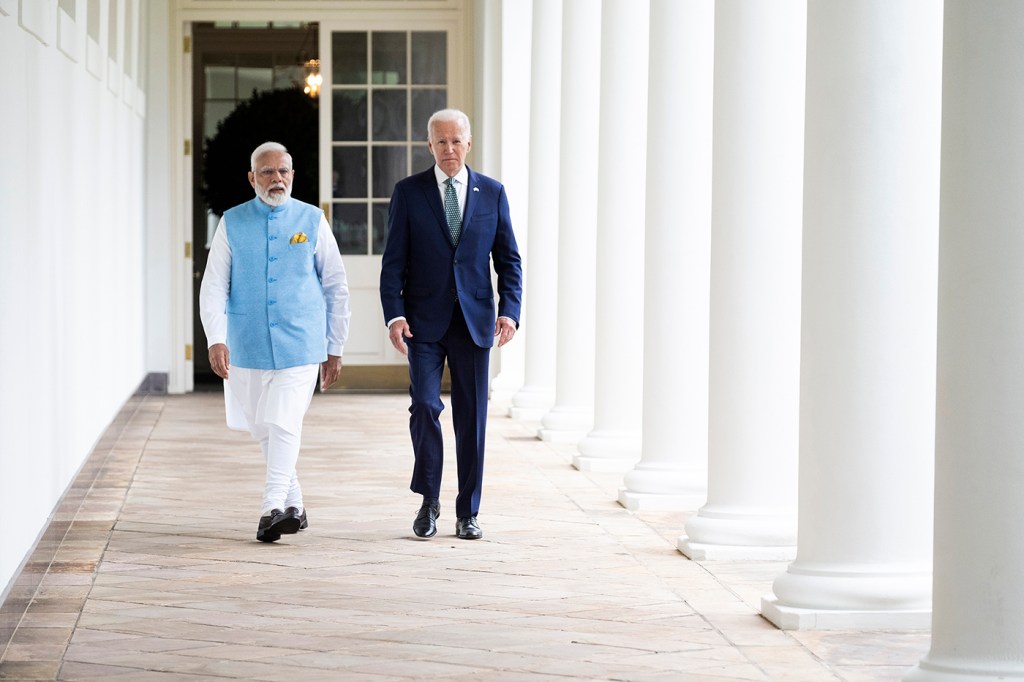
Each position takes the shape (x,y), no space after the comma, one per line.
(299,238)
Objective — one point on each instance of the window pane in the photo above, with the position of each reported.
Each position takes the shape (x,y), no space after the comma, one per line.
(220,82)
(216,111)
(349,179)
(421,158)
(349,52)
(389,115)
(348,221)
(143,37)
(429,58)
(129,25)
(349,115)
(425,103)
(254,78)
(93,20)
(286,77)
(388,168)
(112,31)
(389,58)
(380,226)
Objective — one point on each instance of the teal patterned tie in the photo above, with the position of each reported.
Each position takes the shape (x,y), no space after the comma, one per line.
(451,209)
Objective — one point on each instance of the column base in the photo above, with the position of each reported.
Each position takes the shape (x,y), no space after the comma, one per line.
(661,487)
(794,618)
(612,451)
(502,395)
(527,414)
(937,669)
(502,389)
(727,532)
(532,402)
(698,551)
(638,502)
(560,436)
(611,465)
(565,425)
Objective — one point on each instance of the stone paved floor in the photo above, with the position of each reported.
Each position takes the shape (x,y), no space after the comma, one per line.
(160,576)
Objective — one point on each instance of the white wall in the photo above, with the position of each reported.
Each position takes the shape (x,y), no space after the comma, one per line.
(71,263)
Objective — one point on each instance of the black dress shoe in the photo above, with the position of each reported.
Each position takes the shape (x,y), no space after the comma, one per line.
(277,523)
(468,529)
(303,524)
(425,524)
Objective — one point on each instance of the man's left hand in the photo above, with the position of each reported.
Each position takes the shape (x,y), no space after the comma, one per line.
(330,370)
(504,329)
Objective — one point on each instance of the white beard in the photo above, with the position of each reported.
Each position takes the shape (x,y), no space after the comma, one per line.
(273,199)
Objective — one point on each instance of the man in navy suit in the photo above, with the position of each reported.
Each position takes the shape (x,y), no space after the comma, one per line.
(446,226)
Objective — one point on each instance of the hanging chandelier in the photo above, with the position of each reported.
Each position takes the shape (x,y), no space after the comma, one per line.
(313,79)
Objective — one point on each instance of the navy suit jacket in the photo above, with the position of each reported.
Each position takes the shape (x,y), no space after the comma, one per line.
(422,272)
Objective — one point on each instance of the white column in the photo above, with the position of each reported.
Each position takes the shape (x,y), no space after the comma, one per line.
(537,395)
(515,20)
(978,616)
(755,283)
(867,403)
(614,442)
(572,415)
(672,472)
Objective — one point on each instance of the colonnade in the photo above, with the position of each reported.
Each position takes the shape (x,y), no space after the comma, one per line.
(765,306)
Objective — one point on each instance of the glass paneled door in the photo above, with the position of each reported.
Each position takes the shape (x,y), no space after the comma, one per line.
(380,87)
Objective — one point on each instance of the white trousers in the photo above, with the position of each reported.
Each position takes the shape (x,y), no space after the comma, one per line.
(270,404)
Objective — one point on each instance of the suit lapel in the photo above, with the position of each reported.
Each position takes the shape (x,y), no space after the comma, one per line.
(433,197)
(471,197)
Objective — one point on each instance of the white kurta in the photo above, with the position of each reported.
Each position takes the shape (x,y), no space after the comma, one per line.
(248,400)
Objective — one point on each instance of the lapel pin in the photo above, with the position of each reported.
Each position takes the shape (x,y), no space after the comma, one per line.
(476,189)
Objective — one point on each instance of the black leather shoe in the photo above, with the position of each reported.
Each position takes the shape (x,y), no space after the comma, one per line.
(303,524)
(468,529)
(425,524)
(277,523)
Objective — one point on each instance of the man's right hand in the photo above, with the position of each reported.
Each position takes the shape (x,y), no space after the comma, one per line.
(398,332)
(219,359)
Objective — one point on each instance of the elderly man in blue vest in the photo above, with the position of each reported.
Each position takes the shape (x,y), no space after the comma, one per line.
(274,304)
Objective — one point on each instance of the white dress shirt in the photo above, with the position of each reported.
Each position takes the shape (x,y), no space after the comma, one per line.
(461,183)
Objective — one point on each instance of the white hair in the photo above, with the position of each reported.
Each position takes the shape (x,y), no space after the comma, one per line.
(265,148)
(446,115)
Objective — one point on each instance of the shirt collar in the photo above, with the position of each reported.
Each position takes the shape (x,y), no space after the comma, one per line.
(462,176)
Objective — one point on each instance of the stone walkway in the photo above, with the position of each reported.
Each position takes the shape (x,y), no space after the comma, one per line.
(160,577)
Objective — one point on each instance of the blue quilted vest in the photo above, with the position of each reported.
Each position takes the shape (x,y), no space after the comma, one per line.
(276,312)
